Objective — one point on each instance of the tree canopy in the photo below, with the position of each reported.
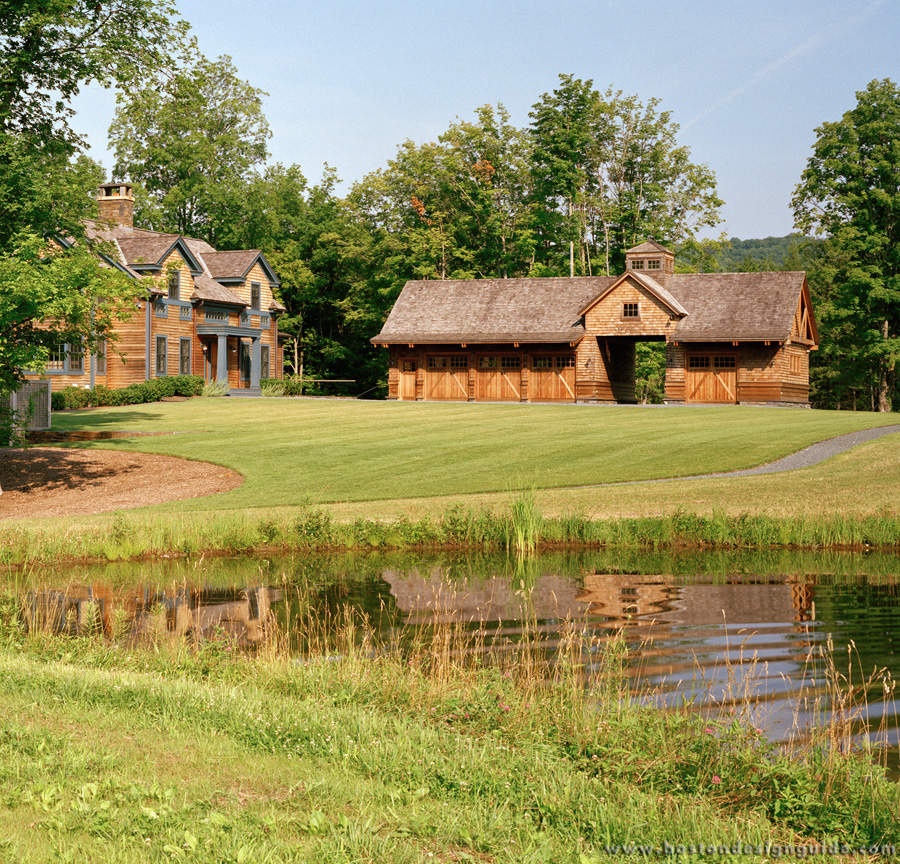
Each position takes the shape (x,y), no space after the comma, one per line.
(850,195)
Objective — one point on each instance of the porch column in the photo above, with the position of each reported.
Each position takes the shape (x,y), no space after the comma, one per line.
(222,360)
(255,362)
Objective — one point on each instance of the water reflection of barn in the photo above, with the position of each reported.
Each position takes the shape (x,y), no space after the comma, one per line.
(621,599)
(239,614)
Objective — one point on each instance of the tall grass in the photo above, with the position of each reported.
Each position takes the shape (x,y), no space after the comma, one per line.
(537,742)
(522,528)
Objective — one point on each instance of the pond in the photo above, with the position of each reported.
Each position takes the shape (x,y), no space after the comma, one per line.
(701,629)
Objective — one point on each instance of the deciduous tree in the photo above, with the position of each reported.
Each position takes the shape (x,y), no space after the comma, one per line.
(850,194)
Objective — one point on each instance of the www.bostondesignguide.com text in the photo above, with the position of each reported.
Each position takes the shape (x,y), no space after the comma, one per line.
(773,850)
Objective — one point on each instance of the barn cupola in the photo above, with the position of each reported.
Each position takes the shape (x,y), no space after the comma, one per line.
(650,258)
(116,203)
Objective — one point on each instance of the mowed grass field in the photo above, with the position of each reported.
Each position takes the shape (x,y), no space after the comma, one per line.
(387,459)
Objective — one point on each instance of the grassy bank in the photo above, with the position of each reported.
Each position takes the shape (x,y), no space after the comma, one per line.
(521,528)
(166,750)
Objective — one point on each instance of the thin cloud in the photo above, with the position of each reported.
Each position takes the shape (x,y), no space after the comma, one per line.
(799,50)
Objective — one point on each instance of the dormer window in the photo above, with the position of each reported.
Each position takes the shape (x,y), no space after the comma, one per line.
(653,264)
(637,264)
(254,295)
(175,285)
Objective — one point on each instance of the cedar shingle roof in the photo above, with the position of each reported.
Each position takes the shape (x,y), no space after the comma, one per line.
(736,306)
(491,310)
(224,265)
(206,288)
(717,307)
(648,246)
(145,247)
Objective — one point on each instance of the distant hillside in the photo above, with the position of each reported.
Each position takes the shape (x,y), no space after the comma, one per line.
(770,253)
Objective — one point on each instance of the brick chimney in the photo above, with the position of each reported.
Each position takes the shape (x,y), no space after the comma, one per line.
(116,203)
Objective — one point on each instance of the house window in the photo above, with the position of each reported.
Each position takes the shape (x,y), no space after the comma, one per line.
(264,361)
(245,318)
(57,358)
(162,365)
(723,362)
(541,362)
(215,315)
(175,285)
(254,295)
(160,310)
(487,362)
(510,362)
(184,312)
(100,358)
(698,362)
(565,362)
(76,357)
(631,310)
(637,264)
(264,322)
(653,263)
(184,356)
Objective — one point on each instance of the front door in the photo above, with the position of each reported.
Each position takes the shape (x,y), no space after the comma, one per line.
(711,378)
(244,362)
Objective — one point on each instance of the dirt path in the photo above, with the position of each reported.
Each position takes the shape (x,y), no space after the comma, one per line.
(49,481)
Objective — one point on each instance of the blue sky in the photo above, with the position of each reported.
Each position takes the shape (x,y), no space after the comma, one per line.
(349,80)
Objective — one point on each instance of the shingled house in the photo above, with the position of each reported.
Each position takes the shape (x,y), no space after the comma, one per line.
(730,337)
(208,313)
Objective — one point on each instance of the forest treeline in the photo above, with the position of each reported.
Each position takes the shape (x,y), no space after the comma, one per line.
(592,173)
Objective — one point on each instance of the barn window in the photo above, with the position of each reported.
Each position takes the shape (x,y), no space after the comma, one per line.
(796,364)
(565,362)
(510,362)
(698,362)
(487,362)
(653,263)
(541,362)
(459,362)
(408,366)
(631,310)
(637,265)
(723,362)
(437,362)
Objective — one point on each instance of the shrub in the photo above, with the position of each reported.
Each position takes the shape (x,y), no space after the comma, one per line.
(133,394)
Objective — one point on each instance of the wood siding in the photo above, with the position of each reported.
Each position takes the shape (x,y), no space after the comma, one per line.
(606,318)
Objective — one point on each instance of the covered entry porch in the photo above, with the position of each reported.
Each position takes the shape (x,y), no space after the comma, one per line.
(233,358)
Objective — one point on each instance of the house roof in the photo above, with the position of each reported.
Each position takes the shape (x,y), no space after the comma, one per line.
(224,265)
(736,306)
(206,288)
(714,307)
(491,310)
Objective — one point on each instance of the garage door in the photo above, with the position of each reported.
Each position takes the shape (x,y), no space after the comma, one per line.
(447,379)
(711,378)
(551,378)
(498,379)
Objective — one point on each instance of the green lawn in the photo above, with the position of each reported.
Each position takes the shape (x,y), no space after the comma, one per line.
(295,451)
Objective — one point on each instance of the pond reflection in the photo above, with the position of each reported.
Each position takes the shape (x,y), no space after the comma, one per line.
(701,629)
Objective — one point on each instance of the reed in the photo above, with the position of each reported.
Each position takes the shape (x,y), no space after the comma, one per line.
(522,529)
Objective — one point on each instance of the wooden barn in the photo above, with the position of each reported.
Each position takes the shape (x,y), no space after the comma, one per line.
(730,337)
(206,313)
